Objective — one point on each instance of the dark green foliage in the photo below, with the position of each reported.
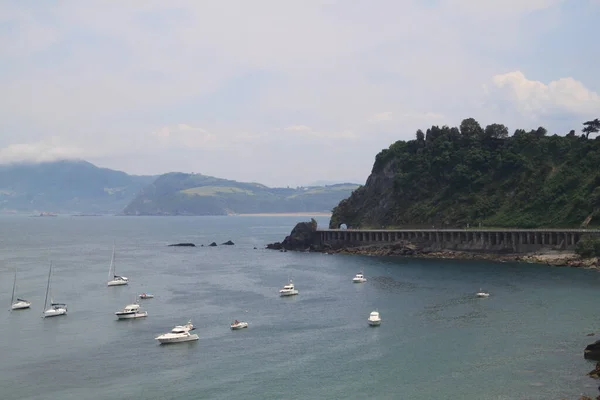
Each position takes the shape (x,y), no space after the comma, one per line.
(454,177)
(591,127)
(588,247)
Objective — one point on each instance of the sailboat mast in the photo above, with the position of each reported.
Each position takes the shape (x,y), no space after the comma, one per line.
(12,299)
(48,286)
(112,265)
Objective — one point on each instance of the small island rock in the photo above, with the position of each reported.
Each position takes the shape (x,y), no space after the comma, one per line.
(182,245)
(228,243)
(213,244)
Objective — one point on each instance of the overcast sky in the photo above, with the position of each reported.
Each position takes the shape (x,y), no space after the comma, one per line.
(283,92)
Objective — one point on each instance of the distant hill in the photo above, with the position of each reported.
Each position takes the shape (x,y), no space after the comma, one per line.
(67,186)
(195,194)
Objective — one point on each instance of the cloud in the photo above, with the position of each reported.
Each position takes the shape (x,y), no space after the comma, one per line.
(109,80)
(536,99)
(381,117)
(183,135)
(38,152)
(310,132)
(298,128)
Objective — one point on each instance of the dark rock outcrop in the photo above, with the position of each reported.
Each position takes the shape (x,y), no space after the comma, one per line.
(302,237)
(182,245)
(228,243)
(592,351)
(595,373)
(213,244)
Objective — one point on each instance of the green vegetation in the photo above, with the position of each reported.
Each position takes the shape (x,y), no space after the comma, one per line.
(588,247)
(454,177)
(196,194)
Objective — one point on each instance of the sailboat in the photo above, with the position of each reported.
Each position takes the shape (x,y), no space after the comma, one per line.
(113,278)
(20,304)
(55,309)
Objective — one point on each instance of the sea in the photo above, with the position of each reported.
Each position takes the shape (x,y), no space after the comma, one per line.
(436,340)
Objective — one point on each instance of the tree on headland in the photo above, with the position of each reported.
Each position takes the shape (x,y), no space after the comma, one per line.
(470,128)
(592,126)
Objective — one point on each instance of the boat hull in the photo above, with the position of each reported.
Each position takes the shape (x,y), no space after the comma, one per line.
(148,296)
(358,280)
(170,339)
(20,305)
(374,322)
(241,325)
(288,293)
(482,295)
(117,283)
(55,312)
(132,315)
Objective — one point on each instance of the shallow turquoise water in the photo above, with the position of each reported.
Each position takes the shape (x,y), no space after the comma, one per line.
(436,341)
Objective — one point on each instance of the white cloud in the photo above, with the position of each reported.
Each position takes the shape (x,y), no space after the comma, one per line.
(183,135)
(298,128)
(310,132)
(381,117)
(38,152)
(536,99)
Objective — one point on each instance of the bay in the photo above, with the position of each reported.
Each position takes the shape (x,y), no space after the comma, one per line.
(436,340)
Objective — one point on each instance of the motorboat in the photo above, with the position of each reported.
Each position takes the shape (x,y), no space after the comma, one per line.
(146,296)
(20,304)
(238,325)
(359,278)
(180,333)
(55,309)
(113,278)
(374,318)
(289,289)
(131,311)
(481,293)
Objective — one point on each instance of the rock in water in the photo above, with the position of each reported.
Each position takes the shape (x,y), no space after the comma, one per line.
(183,245)
(228,243)
(592,351)
(302,237)
(213,244)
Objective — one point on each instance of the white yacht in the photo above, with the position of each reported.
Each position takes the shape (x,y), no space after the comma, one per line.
(20,304)
(289,289)
(181,333)
(359,278)
(481,293)
(131,311)
(374,318)
(55,309)
(113,278)
(238,325)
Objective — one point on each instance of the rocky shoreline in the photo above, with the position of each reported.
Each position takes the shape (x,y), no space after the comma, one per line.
(552,258)
(303,238)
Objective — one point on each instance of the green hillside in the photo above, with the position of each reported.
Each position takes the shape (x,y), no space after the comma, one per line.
(195,194)
(454,177)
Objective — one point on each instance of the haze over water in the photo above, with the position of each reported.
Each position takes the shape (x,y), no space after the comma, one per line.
(436,341)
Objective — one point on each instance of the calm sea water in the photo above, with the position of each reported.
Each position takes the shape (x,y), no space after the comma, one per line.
(436,341)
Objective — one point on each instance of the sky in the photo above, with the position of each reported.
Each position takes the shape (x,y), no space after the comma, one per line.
(282,92)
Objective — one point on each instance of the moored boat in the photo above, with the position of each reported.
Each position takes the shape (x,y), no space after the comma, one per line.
(131,311)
